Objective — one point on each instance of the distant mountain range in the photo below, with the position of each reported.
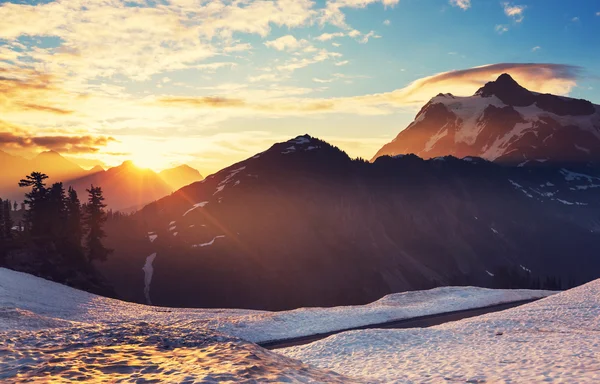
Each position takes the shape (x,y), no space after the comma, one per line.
(498,186)
(125,187)
(506,123)
(302,224)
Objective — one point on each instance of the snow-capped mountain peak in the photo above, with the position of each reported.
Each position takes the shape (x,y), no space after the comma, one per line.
(503,122)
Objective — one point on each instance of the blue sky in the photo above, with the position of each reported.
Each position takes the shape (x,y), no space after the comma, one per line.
(209,83)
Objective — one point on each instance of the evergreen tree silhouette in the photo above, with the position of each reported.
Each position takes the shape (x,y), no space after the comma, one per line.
(35,216)
(73,222)
(94,220)
(8,224)
(57,212)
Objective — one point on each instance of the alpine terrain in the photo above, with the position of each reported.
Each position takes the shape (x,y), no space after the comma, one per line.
(506,123)
(302,224)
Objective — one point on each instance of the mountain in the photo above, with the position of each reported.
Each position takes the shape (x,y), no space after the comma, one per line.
(124,186)
(180,176)
(302,224)
(56,166)
(503,122)
(15,168)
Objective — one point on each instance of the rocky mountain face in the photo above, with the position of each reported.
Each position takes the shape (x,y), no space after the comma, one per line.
(505,123)
(302,224)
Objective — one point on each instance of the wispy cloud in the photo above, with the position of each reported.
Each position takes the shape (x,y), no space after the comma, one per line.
(333,14)
(329,36)
(463,4)
(371,35)
(536,48)
(551,78)
(501,28)
(287,42)
(514,11)
(16,137)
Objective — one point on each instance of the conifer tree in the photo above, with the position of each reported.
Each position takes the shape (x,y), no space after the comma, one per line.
(73,223)
(57,212)
(35,216)
(94,220)
(8,224)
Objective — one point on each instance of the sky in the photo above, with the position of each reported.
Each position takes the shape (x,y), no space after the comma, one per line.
(210,83)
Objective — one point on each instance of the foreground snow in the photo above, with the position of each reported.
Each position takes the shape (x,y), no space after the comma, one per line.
(552,340)
(105,343)
(50,332)
(50,303)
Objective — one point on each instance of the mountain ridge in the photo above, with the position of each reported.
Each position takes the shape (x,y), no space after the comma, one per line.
(303,224)
(503,122)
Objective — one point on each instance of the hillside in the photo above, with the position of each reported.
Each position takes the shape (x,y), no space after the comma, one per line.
(302,224)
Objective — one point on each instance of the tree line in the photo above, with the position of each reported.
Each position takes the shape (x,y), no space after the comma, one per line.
(55,217)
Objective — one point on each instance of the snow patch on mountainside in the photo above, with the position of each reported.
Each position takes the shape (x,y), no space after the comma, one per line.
(468,110)
(197,205)
(207,244)
(435,138)
(148,271)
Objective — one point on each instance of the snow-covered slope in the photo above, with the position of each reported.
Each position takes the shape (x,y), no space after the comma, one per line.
(31,303)
(556,339)
(504,122)
(53,333)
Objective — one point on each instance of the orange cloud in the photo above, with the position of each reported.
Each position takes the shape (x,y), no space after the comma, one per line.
(15,137)
(545,78)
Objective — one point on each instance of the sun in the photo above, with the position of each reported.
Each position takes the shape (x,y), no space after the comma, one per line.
(148,159)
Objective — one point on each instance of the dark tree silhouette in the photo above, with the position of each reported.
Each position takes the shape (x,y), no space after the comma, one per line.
(1,219)
(57,211)
(93,221)
(73,224)
(8,224)
(35,217)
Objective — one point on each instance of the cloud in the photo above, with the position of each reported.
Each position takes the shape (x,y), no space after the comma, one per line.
(575,19)
(329,36)
(340,63)
(333,14)
(266,77)
(287,42)
(501,28)
(463,4)
(212,102)
(25,90)
(64,144)
(238,47)
(317,80)
(514,11)
(354,33)
(297,63)
(386,22)
(370,35)
(547,78)
(536,48)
